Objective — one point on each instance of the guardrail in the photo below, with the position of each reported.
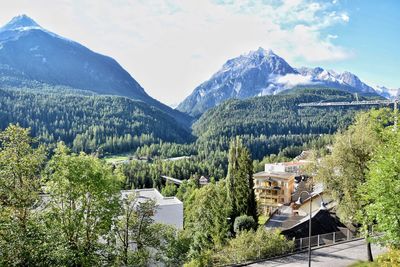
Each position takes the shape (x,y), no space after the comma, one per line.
(324,239)
(301,245)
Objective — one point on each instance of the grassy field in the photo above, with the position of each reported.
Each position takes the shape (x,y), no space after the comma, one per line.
(116,158)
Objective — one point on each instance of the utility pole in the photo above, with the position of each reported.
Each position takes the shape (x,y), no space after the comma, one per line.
(396,101)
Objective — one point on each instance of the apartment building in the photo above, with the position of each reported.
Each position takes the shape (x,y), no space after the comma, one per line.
(274,186)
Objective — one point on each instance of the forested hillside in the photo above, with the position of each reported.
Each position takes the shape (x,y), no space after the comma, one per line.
(277,115)
(31,56)
(86,121)
(109,124)
(270,123)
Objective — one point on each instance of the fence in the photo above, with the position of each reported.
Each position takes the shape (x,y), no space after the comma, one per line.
(324,239)
(301,244)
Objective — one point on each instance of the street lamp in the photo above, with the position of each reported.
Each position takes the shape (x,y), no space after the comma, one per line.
(298,202)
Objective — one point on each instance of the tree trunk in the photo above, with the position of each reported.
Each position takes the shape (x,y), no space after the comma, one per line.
(369,251)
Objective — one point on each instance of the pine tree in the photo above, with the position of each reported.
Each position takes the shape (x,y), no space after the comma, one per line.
(230,179)
(239,181)
(246,174)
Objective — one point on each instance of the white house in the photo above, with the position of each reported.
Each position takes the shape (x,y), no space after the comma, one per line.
(289,167)
(169,210)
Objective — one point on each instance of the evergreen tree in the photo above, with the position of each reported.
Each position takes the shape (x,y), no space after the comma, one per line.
(246,174)
(231,177)
(239,181)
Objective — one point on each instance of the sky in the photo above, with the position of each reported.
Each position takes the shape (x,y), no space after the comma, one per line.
(172,46)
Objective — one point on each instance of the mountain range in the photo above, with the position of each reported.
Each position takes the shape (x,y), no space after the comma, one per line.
(31,55)
(262,72)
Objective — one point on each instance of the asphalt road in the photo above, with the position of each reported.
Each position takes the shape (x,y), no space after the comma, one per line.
(333,256)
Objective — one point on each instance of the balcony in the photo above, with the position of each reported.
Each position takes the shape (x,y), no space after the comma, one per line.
(266,195)
(265,187)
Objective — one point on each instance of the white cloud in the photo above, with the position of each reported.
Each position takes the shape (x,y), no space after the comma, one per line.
(345,17)
(291,80)
(171,46)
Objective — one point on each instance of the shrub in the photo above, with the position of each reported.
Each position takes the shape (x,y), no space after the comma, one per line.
(244,222)
(253,245)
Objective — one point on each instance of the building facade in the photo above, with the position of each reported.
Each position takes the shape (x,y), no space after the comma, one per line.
(169,210)
(274,186)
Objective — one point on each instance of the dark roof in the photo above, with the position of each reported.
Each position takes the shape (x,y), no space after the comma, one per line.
(322,222)
(283,221)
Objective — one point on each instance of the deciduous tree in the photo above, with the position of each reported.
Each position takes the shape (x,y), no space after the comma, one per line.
(20,165)
(82,204)
(345,170)
(381,191)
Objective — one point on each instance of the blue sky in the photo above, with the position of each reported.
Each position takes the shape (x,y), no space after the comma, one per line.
(373,34)
(171,46)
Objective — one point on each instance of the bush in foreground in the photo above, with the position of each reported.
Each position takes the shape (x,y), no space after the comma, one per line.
(253,245)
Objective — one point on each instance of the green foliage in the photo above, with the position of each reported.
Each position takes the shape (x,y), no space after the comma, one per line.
(204,259)
(239,181)
(20,228)
(344,171)
(142,242)
(268,124)
(20,165)
(87,121)
(206,217)
(169,190)
(82,204)
(135,226)
(388,259)
(175,249)
(244,222)
(143,174)
(381,190)
(253,245)
(391,258)
(186,189)
(166,150)
(262,219)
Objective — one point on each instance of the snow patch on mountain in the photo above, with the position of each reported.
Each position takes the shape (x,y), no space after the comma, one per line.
(21,24)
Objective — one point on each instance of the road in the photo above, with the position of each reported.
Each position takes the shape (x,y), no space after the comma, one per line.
(334,256)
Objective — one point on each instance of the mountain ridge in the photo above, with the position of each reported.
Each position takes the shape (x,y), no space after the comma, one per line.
(262,72)
(31,54)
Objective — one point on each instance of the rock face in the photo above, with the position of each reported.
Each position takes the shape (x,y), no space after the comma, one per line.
(30,54)
(241,77)
(262,72)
